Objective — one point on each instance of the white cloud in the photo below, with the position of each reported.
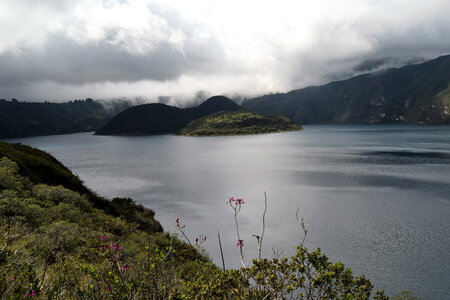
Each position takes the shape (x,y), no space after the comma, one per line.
(113,48)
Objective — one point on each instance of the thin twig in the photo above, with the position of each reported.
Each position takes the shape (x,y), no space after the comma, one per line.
(260,240)
(303,226)
(221,251)
(180,228)
(236,211)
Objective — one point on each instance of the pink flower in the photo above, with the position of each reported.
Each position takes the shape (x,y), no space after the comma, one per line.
(103,237)
(240,243)
(125,267)
(30,294)
(236,202)
(106,247)
(13,279)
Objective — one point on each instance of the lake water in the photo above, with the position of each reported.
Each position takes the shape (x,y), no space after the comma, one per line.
(376,198)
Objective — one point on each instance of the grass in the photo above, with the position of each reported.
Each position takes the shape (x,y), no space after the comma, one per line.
(238,123)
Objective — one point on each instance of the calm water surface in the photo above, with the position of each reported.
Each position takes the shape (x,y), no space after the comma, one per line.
(376,198)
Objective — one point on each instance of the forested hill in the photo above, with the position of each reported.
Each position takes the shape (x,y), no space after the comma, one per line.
(158,118)
(416,94)
(19,119)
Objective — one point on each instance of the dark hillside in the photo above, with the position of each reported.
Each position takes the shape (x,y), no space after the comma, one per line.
(18,119)
(412,94)
(161,118)
(215,104)
(152,118)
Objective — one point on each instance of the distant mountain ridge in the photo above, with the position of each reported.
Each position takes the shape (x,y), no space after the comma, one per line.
(159,118)
(19,119)
(415,94)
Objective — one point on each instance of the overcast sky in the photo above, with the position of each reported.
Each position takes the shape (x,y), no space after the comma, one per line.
(59,50)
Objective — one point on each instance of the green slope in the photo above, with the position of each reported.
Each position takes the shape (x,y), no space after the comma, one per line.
(412,94)
(55,243)
(41,168)
(236,123)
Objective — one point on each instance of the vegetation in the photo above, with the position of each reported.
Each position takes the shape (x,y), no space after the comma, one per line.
(18,119)
(55,244)
(238,122)
(413,94)
(41,168)
(159,118)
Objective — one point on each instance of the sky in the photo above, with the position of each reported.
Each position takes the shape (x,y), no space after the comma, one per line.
(178,51)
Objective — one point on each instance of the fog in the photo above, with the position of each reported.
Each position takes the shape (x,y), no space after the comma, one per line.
(178,52)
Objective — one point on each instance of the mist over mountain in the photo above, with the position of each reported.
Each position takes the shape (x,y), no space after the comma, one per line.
(416,94)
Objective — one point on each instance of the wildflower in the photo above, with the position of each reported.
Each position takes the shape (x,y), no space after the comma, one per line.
(117,246)
(125,267)
(236,202)
(109,288)
(103,237)
(239,201)
(13,279)
(106,247)
(30,294)
(240,243)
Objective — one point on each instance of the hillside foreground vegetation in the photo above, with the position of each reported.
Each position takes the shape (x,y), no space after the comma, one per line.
(57,243)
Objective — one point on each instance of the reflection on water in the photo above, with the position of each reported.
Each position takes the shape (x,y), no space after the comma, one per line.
(375,197)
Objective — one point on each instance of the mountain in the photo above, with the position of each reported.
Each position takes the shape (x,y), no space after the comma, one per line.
(237,122)
(159,118)
(413,94)
(19,119)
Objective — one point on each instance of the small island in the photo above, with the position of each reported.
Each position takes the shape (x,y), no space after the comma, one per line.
(238,123)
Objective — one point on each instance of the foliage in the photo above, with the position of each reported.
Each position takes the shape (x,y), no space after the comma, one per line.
(55,243)
(404,295)
(40,167)
(238,122)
